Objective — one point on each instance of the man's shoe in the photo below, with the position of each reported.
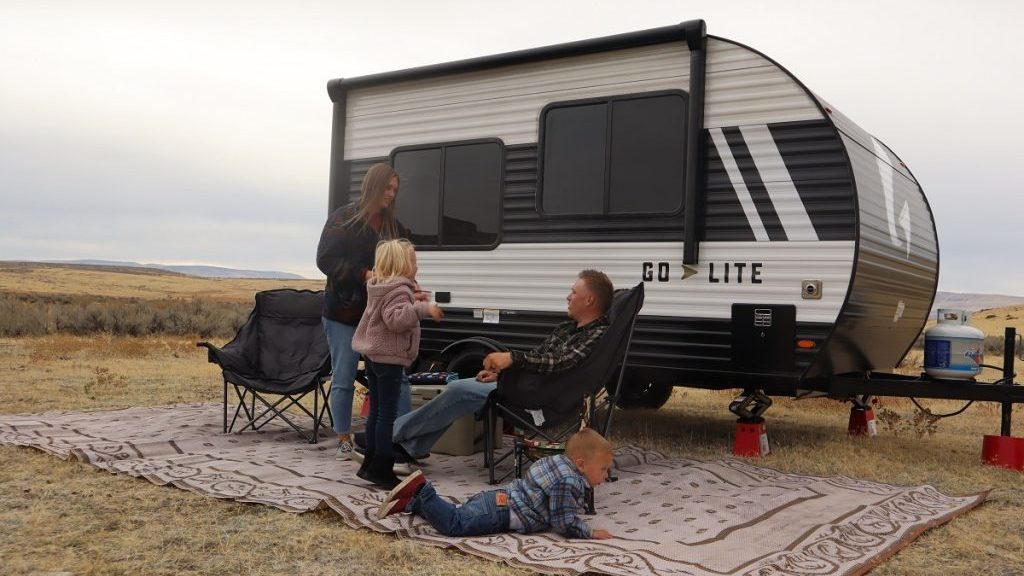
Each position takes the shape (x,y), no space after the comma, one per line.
(402,455)
(403,468)
(357,454)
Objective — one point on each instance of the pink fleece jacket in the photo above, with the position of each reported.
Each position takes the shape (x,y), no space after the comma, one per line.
(389,331)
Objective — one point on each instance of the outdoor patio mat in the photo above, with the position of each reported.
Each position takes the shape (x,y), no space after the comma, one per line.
(670,516)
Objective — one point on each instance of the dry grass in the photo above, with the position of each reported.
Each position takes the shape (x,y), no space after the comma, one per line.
(62,516)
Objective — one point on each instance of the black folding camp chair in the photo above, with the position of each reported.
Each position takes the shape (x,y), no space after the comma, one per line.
(281,352)
(550,408)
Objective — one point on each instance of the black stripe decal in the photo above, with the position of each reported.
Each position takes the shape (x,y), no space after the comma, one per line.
(752,179)
(722,209)
(817,166)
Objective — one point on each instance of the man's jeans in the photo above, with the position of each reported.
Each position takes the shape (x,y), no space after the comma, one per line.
(418,430)
(344,362)
(479,515)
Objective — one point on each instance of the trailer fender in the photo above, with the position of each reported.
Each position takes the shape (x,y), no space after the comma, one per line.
(466,356)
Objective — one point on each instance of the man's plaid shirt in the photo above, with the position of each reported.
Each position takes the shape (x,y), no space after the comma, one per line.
(551,495)
(566,347)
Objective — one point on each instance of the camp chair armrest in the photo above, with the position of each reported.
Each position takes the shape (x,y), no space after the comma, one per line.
(211,351)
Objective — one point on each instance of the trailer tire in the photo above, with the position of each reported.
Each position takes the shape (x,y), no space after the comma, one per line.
(468,362)
(643,394)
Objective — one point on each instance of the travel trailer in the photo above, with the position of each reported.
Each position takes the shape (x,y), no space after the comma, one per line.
(781,244)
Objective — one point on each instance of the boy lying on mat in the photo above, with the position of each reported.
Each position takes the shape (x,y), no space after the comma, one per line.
(550,496)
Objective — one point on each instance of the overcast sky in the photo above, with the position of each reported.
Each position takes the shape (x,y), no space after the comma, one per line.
(188,132)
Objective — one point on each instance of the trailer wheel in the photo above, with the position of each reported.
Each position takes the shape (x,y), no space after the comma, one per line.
(468,362)
(643,394)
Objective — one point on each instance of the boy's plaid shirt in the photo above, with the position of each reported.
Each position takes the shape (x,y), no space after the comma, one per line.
(551,494)
(566,347)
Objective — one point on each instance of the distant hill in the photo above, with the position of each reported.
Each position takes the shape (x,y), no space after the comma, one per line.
(114,281)
(191,270)
(974,302)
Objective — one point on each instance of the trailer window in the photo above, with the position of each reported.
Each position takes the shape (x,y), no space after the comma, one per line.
(614,156)
(450,194)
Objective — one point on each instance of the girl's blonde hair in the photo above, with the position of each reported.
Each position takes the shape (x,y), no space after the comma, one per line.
(392,259)
(376,180)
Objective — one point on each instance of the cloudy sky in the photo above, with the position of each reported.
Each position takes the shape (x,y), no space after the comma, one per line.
(199,131)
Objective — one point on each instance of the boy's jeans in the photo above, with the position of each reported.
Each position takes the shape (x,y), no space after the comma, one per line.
(480,515)
(344,362)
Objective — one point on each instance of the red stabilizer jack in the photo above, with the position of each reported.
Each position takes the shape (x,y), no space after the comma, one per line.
(751,439)
(862,422)
(1004,451)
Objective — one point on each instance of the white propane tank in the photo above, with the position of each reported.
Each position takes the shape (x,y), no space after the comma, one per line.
(952,349)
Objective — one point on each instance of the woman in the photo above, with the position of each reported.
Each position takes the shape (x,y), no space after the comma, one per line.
(345,256)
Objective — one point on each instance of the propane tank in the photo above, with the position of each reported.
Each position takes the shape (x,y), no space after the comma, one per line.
(952,349)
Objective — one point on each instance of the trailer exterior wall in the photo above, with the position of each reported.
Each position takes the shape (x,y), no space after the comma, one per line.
(779,189)
(742,88)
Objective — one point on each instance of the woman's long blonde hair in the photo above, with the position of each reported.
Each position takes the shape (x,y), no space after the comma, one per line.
(393,259)
(374,183)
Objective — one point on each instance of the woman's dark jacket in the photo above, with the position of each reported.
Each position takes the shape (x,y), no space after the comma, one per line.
(344,255)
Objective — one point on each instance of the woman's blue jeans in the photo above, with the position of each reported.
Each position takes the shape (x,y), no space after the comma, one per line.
(480,515)
(344,362)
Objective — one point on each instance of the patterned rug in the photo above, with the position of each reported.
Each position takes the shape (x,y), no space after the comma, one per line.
(670,516)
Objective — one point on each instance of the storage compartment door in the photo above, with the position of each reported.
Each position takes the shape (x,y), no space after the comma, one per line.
(764,337)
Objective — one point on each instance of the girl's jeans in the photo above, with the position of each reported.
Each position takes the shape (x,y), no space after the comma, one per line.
(384,382)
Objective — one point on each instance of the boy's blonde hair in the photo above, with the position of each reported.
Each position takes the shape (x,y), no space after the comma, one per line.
(587,443)
(392,259)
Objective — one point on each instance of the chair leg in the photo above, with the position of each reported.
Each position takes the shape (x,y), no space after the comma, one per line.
(225,406)
(489,441)
(518,452)
(316,420)
(239,408)
(326,407)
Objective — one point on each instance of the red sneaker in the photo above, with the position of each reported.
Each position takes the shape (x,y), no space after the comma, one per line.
(408,487)
(393,507)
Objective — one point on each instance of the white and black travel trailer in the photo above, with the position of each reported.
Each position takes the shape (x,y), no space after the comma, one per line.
(781,244)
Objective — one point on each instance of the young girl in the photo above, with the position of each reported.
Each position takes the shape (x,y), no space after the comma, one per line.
(388,337)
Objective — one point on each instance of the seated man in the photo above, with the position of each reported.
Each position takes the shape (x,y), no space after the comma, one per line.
(571,341)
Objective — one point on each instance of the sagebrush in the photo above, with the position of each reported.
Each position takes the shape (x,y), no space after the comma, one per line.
(36,315)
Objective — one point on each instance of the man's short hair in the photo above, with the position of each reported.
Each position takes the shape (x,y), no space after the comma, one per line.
(587,443)
(600,286)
